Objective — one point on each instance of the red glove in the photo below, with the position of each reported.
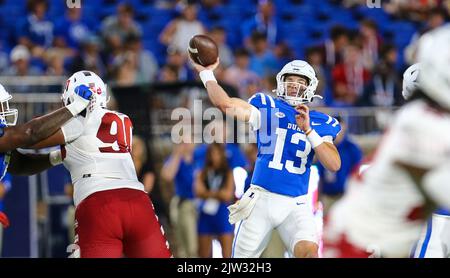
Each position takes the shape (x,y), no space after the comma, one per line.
(4,220)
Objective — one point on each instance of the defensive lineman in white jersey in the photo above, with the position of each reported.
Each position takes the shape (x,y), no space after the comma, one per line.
(384,215)
(114,216)
(434,241)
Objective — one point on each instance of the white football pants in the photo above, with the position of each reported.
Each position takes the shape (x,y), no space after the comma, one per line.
(291,216)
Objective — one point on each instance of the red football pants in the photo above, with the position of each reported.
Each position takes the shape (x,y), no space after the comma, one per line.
(119,222)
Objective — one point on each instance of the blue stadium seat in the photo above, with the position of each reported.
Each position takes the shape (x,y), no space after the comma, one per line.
(106,11)
(232,27)
(138,4)
(15,2)
(378,15)
(158,50)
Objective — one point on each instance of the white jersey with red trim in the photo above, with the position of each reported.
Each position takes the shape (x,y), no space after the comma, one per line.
(385,211)
(97,153)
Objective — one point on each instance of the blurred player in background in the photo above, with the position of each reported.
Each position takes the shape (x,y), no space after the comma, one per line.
(383,216)
(434,241)
(28,134)
(288,136)
(114,215)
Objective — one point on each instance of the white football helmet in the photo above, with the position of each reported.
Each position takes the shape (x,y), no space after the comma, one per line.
(304,94)
(7,115)
(434,58)
(93,81)
(410,80)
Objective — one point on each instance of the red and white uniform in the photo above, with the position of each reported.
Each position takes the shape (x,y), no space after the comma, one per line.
(383,213)
(114,215)
(99,158)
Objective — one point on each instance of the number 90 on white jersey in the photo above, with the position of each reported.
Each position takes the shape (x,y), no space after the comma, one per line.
(100,157)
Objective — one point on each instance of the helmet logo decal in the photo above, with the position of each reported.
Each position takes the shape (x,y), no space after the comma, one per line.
(98,91)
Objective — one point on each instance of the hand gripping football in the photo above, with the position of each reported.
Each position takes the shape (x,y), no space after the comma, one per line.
(203,50)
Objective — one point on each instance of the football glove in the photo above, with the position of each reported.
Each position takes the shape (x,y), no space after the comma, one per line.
(81,98)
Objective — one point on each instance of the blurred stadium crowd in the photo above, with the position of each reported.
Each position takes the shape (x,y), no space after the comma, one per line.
(358,53)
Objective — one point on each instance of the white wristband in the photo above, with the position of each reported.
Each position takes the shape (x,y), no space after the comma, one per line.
(207,75)
(55,157)
(314,138)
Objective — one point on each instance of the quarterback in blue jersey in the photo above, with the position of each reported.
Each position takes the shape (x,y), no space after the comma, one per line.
(288,136)
(14,136)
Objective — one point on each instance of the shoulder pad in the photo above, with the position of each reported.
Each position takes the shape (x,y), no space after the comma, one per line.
(260,100)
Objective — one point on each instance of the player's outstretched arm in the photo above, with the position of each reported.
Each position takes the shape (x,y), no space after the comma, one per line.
(36,130)
(56,139)
(30,133)
(234,107)
(31,164)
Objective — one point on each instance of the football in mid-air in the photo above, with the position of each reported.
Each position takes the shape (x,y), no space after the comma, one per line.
(203,50)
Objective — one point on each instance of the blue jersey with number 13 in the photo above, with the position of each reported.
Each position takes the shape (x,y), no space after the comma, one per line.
(284,153)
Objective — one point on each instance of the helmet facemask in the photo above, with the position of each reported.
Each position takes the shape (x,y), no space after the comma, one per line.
(297,83)
(294,87)
(410,81)
(9,116)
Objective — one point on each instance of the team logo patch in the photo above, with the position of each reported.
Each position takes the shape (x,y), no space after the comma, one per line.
(280,114)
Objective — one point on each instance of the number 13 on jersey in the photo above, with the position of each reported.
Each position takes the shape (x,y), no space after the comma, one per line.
(279,147)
